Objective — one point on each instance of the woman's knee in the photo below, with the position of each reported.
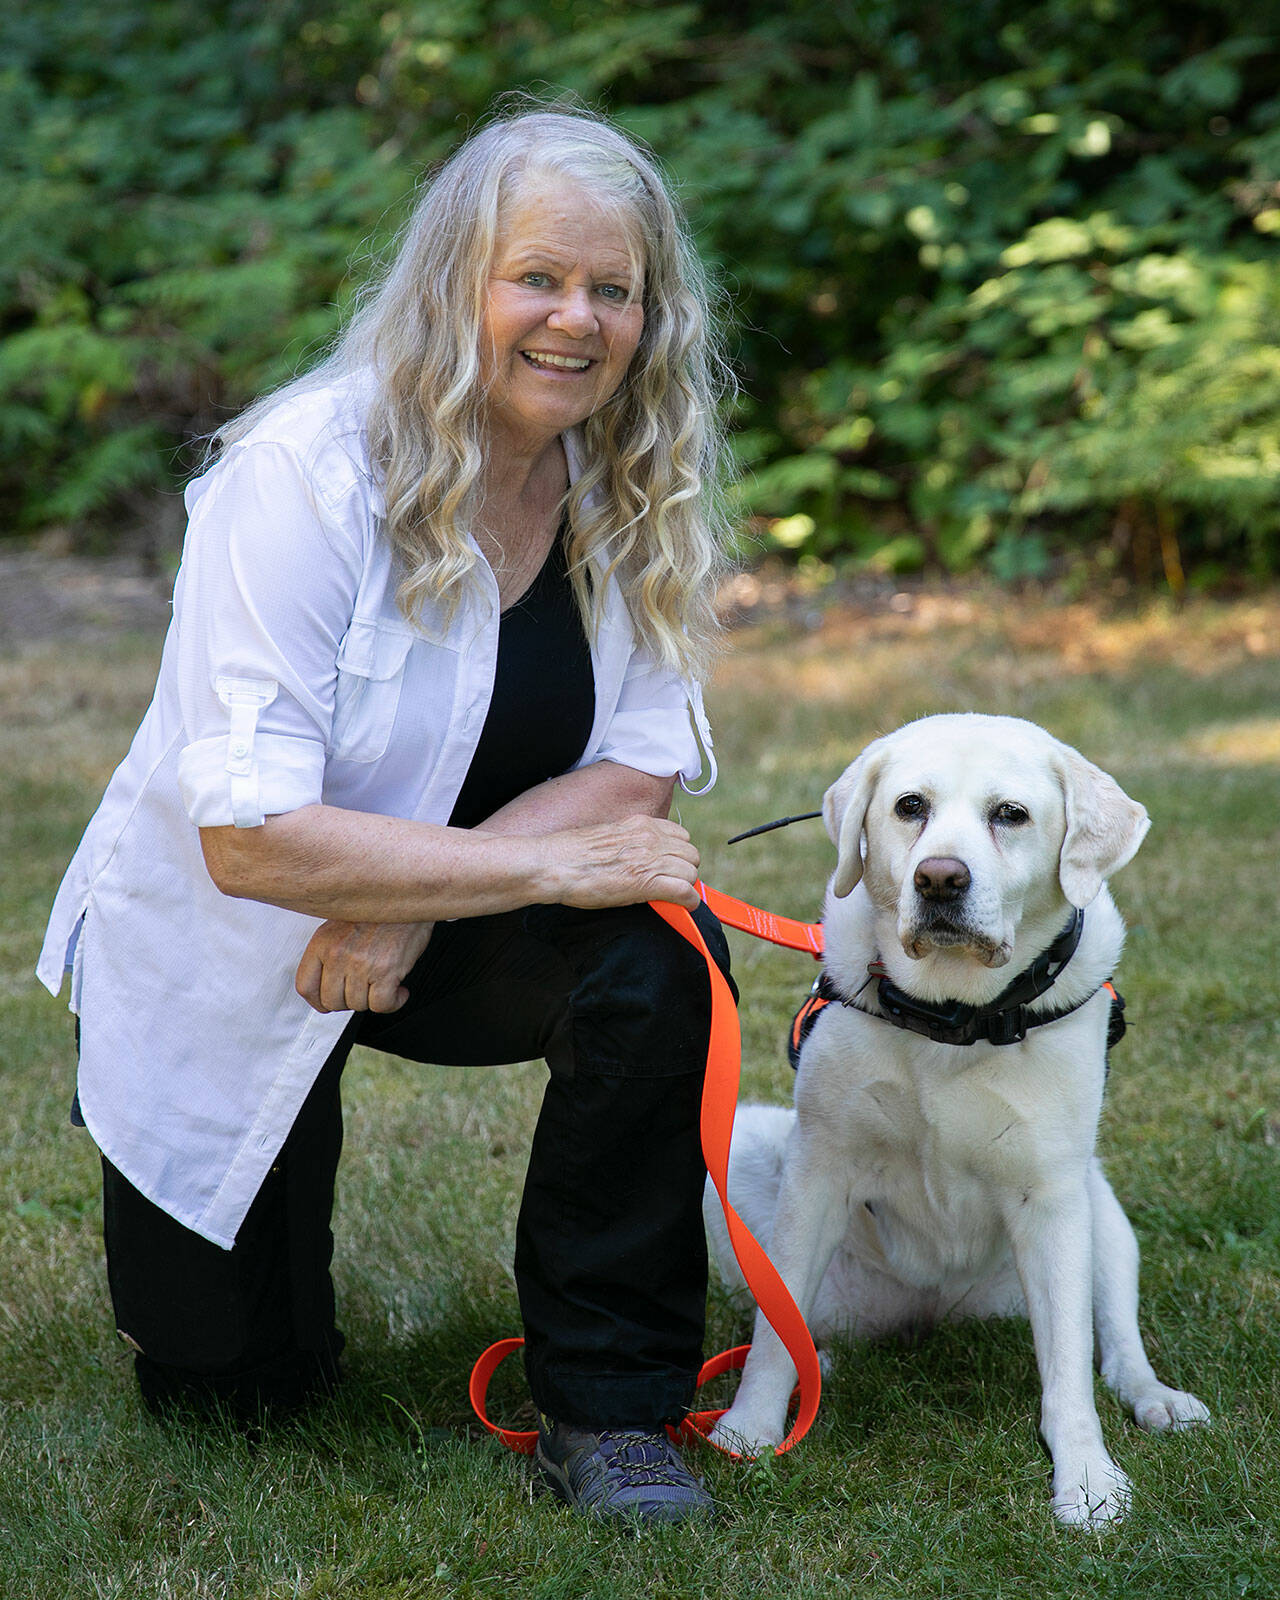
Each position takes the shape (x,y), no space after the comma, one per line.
(275,1387)
(239,1330)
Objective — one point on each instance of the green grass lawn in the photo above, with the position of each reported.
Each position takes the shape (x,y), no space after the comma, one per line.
(923,1475)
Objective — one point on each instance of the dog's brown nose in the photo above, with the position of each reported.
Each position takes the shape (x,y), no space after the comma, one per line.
(942,878)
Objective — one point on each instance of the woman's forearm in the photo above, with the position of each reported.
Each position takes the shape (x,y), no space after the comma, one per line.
(356,865)
(590,838)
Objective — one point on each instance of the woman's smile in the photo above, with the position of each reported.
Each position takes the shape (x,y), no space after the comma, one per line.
(545,358)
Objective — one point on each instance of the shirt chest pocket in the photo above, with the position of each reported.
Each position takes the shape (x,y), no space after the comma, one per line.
(371,669)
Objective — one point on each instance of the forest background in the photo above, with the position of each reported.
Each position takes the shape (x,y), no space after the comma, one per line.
(1001,277)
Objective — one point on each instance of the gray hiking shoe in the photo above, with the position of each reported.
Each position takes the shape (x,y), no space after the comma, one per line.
(619,1472)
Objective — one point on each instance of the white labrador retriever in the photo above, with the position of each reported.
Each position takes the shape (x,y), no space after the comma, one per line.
(919,1178)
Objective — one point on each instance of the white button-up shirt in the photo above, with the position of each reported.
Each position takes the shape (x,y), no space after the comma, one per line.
(288,677)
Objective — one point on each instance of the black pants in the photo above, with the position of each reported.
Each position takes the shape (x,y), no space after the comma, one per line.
(610,1258)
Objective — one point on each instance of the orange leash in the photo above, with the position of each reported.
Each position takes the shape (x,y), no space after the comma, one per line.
(719,1102)
(785,931)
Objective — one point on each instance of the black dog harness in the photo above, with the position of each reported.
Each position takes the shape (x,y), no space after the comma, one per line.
(1004,1020)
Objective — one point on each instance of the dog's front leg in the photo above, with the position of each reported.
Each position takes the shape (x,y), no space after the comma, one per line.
(811,1217)
(1051,1235)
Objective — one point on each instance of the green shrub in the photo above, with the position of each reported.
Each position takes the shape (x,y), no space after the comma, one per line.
(1003,275)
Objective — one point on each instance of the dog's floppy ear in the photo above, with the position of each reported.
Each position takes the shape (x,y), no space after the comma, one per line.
(1104,828)
(844,810)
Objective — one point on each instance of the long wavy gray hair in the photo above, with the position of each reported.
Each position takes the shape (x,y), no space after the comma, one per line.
(648,505)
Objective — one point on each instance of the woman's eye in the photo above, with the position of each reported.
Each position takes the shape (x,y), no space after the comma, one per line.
(615,292)
(537,280)
(911,807)
(1011,813)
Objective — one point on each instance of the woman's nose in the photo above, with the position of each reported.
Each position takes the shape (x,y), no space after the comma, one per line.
(574,314)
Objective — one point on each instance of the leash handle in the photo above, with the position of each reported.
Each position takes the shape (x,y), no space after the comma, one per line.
(517,1439)
(694,1426)
(786,931)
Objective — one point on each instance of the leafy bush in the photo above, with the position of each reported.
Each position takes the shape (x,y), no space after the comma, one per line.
(1021,297)
(1002,274)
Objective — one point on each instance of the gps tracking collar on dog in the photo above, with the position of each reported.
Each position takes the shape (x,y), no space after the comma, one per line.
(1004,1020)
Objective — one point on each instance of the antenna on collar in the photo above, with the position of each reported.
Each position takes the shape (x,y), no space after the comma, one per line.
(768,827)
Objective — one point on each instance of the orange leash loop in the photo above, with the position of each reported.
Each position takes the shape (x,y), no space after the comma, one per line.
(719,1102)
(696,1425)
(523,1443)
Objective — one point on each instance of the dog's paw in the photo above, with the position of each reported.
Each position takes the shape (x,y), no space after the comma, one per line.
(1093,1497)
(744,1435)
(1158,1409)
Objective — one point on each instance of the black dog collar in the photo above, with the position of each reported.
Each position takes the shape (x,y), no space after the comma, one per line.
(1004,1020)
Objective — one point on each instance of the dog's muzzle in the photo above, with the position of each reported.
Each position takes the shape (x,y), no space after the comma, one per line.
(938,922)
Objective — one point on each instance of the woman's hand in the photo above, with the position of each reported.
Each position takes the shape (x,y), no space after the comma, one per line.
(359,966)
(622,863)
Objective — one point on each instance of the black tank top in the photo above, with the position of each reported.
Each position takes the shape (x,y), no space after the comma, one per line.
(544,698)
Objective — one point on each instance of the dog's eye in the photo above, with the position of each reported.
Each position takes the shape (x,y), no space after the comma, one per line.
(911,807)
(1011,814)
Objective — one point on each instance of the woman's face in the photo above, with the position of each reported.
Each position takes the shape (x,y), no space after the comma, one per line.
(563,315)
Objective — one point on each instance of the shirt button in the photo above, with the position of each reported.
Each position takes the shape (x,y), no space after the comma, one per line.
(239,748)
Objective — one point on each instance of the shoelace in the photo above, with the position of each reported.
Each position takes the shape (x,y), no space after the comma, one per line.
(641,1456)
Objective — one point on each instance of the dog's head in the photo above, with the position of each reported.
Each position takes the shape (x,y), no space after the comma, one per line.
(970,822)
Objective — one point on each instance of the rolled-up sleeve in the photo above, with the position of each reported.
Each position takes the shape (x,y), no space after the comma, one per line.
(268,581)
(659,726)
